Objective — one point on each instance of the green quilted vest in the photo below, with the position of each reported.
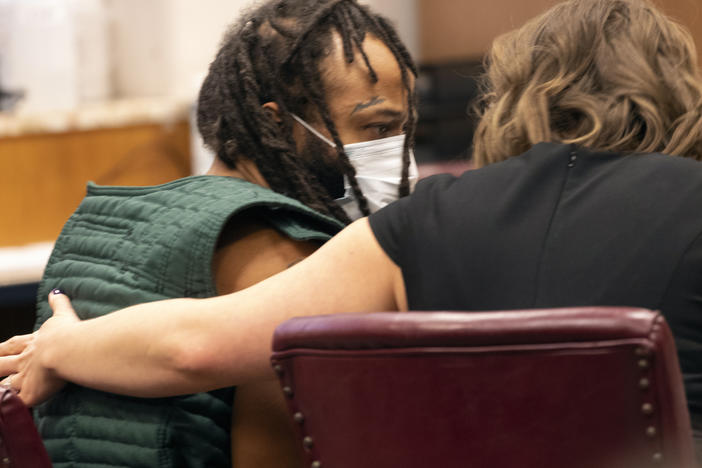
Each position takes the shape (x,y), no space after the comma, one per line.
(127,245)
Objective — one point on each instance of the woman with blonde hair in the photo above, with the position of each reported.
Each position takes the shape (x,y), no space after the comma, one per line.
(610,75)
(590,195)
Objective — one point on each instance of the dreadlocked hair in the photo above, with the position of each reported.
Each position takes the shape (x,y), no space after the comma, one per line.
(273,54)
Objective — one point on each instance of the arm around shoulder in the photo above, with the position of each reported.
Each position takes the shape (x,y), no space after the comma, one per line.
(190,345)
(350,273)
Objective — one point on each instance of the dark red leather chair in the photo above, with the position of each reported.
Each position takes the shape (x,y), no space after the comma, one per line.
(560,388)
(20,444)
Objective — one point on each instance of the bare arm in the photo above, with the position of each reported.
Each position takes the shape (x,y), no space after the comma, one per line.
(248,252)
(188,345)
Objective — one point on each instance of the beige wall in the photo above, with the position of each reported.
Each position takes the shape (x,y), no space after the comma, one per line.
(463,29)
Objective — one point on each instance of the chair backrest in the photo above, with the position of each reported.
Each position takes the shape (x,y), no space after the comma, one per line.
(20,444)
(583,387)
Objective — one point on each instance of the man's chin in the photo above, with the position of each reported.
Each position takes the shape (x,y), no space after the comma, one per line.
(325,167)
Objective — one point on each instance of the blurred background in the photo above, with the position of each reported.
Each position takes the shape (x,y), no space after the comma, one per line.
(103,90)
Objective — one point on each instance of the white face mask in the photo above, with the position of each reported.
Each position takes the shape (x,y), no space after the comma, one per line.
(378,165)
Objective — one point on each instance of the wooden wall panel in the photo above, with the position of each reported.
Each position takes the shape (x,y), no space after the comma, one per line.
(689,13)
(43,176)
(456,30)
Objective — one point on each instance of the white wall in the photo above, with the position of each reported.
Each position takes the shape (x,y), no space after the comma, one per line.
(55,51)
(163,47)
(404,15)
(197,28)
(139,47)
(96,49)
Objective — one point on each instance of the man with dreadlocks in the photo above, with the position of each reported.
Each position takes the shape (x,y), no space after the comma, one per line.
(309,108)
(276,79)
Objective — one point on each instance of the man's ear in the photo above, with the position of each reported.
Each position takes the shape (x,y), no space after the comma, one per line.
(272,110)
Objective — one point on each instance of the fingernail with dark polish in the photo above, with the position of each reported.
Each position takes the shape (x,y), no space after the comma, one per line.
(56,291)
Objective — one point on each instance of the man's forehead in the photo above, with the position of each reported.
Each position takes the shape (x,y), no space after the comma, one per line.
(337,74)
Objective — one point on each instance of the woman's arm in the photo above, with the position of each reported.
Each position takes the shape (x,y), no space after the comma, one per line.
(190,345)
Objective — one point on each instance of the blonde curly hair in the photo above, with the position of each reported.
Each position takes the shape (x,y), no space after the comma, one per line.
(611,75)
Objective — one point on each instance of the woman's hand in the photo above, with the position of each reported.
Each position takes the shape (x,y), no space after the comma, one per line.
(11,352)
(22,357)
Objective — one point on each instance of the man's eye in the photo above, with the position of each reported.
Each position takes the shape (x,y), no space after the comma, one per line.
(383,129)
(380,130)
